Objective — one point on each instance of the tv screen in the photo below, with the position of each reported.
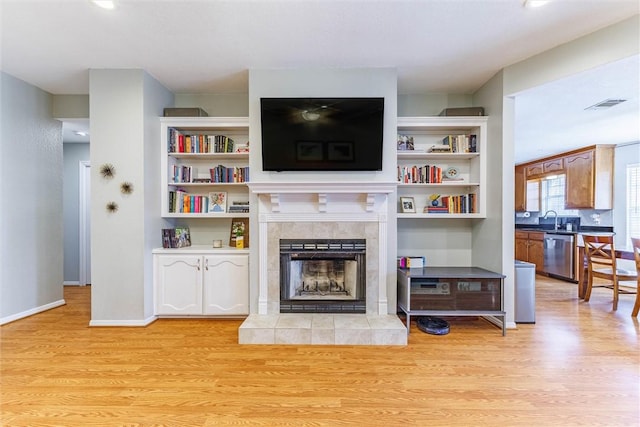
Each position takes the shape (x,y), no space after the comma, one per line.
(322,134)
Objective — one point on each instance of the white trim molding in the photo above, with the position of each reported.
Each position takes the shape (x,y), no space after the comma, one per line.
(32,311)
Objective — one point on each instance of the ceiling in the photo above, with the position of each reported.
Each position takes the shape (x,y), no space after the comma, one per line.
(437,46)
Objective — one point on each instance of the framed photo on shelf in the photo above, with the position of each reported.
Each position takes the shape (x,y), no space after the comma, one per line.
(239,225)
(217,202)
(407,205)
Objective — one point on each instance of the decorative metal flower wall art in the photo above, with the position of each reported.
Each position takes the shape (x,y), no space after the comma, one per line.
(126,187)
(112,207)
(107,171)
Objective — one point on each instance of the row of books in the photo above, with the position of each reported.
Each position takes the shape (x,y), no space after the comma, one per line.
(426,174)
(182,202)
(223,173)
(457,144)
(199,143)
(464,203)
(218,174)
(178,237)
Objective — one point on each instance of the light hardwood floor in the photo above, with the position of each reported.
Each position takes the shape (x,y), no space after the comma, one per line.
(578,365)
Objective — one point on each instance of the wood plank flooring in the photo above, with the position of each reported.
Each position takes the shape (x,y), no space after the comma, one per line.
(578,365)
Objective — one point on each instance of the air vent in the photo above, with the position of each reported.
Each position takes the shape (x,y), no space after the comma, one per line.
(607,103)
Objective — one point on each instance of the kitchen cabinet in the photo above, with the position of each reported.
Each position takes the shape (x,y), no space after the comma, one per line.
(520,189)
(534,170)
(589,178)
(201,283)
(555,165)
(529,247)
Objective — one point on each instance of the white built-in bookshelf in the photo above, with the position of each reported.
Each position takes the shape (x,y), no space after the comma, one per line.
(448,160)
(199,162)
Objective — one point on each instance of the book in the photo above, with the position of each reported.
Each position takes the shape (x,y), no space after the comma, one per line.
(217,202)
(411,262)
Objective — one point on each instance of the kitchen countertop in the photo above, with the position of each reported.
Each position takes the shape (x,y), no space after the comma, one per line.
(582,230)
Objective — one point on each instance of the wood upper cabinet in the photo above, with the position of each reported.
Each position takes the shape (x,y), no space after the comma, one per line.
(589,178)
(520,189)
(553,166)
(534,170)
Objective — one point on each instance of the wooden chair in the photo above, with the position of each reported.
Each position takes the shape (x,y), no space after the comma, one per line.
(635,242)
(601,263)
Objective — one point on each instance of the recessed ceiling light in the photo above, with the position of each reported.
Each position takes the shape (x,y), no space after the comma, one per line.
(535,3)
(105,4)
(80,133)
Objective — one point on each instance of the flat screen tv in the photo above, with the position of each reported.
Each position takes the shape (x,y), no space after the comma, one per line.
(322,134)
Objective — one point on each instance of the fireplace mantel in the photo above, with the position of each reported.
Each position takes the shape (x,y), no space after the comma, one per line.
(322,197)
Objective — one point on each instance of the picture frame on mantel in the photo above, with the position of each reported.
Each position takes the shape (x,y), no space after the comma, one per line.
(239,224)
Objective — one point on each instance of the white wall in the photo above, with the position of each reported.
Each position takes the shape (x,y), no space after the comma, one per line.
(493,237)
(375,82)
(31,257)
(124,135)
(156,98)
(72,155)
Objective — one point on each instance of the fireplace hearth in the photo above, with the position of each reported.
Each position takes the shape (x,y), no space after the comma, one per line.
(323,276)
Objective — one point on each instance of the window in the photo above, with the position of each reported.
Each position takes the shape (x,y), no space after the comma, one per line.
(552,198)
(633,200)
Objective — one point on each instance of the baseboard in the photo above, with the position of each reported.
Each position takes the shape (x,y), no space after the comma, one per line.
(124,323)
(31,312)
(71,283)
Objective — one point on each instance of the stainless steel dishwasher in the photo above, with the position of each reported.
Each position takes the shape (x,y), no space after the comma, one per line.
(559,253)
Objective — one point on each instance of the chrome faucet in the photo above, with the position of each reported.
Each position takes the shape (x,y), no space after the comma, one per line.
(555,215)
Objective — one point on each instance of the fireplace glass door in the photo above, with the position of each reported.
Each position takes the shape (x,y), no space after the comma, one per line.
(323,276)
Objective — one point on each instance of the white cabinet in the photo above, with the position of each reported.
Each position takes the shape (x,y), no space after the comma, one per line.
(462,191)
(200,157)
(194,281)
(178,284)
(226,284)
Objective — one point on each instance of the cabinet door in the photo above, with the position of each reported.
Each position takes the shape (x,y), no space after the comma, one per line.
(554,165)
(534,170)
(579,169)
(178,284)
(226,284)
(522,249)
(536,252)
(520,190)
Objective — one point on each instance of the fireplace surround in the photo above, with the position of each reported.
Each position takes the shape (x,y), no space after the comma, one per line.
(324,212)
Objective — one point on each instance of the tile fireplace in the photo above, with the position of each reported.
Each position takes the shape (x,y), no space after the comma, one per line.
(321,215)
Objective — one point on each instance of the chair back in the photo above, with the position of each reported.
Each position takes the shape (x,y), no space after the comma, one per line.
(600,252)
(635,242)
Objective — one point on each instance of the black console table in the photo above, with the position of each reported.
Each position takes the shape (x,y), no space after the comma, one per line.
(451,291)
